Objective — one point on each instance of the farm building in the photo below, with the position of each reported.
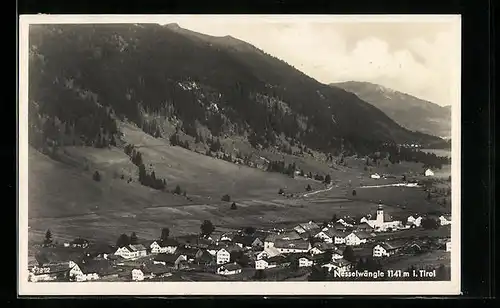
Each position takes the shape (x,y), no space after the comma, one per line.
(131,251)
(413,221)
(310,227)
(429,172)
(331,235)
(171,260)
(444,220)
(166,246)
(292,246)
(229,269)
(357,238)
(385,250)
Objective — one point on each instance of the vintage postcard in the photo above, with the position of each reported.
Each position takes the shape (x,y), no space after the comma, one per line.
(239,155)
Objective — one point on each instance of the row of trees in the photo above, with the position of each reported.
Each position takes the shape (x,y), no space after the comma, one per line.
(146,178)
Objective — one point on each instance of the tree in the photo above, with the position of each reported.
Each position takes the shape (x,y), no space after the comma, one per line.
(429,196)
(354,192)
(318,273)
(349,254)
(249,230)
(48,238)
(133,238)
(328,179)
(334,218)
(429,223)
(207,228)
(449,178)
(226,198)
(233,206)
(165,232)
(123,240)
(177,190)
(308,188)
(96,177)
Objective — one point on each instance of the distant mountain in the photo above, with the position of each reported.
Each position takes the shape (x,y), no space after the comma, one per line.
(408,111)
(84,78)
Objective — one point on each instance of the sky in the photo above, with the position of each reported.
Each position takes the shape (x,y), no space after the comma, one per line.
(418,56)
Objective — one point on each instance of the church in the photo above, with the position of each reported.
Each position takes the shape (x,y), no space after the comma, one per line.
(383,222)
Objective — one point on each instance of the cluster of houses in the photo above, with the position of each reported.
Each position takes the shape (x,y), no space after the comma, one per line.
(304,245)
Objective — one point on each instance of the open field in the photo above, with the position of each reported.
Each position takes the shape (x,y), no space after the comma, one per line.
(432,259)
(65,198)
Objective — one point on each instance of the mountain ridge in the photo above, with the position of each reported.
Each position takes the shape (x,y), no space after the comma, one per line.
(405,109)
(85,75)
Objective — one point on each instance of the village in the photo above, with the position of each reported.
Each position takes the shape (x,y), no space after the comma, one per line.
(306,251)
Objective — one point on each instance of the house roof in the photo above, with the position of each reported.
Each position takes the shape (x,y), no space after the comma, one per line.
(324,246)
(308,226)
(361,234)
(341,262)
(289,235)
(332,232)
(101,267)
(166,257)
(270,251)
(339,226)
(278,259)
(168,242)
(230,266)
(271,237)
(364,225)
(205,257)
(245,240)
(188,251)
(156,269)
(136,247)
(292,244)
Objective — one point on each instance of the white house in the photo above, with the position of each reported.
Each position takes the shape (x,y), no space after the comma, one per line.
(429,172)
(356,238)
(414,221)
(223,256)
(165,246)
(137,275)
(375,176)
(382,222)
(340,265)
(337,254)
(229,269)
(331,235)
(448,246)
(131,251)
(384,250)
(444,220)
(305,262)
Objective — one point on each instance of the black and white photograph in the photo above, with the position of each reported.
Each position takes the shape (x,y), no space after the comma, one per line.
(283,154)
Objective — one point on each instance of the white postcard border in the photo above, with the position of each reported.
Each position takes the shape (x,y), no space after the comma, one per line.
(234,288)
